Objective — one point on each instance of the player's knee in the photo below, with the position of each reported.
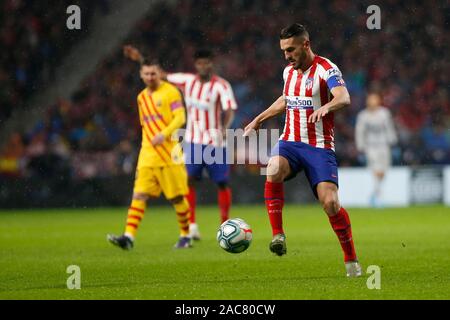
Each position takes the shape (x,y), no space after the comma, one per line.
(330,204)
(277,170)
(379,175)
(140,196)
(176,200)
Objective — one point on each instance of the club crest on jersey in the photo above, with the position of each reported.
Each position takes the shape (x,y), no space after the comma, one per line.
(309,83)
(158,103)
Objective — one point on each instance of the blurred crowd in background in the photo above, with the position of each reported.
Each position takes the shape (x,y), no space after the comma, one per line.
(33,39)
(96,133)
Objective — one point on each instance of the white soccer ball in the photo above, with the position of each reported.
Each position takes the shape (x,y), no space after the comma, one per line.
(234,235)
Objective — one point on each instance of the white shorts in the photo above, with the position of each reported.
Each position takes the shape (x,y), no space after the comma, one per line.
(379,158)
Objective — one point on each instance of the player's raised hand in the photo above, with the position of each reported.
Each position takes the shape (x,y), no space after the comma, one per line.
(318,114)
(158,139)
(132,53)
(254,125)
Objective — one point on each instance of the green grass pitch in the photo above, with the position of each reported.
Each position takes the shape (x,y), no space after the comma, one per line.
(410,245)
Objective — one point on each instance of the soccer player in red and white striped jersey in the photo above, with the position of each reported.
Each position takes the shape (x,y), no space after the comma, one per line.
(206,95)
(210,105)
(304,93)
(313,90)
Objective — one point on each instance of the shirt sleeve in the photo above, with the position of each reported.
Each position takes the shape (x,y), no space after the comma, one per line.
(285,76)
(285,73)
(333,77)
(227,99)
(177,109)
(179,79)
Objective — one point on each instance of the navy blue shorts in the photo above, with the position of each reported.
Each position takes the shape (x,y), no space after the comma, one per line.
(214,160)
(319,164)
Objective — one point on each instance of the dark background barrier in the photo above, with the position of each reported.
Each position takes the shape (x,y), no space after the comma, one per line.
(116,191)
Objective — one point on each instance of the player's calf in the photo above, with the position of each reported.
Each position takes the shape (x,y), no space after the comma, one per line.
(181,207)
(224,201)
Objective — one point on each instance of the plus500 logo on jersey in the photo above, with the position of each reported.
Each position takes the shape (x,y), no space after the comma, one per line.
(299,103)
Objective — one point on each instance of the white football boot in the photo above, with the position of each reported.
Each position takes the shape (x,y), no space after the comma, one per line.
(278,244)
(193,231)
(353,269)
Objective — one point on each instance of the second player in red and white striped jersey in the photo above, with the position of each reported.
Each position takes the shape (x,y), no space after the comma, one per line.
(304,93)
(205,102)
(210,106)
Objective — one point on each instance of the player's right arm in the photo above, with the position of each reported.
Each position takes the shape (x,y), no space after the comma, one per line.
(275,109)
(133,53)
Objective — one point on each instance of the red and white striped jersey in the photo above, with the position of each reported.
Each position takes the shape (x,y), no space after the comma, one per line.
(204,104)
(305,92)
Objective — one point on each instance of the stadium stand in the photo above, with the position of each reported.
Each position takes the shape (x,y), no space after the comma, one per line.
(99,124)
(33,41)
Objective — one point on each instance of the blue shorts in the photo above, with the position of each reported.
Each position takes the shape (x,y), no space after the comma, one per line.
(214,160)
(319,164)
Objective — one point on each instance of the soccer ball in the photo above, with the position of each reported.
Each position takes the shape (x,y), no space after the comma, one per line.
(234,235)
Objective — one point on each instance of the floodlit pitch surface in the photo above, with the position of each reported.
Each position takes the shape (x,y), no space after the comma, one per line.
(410,245)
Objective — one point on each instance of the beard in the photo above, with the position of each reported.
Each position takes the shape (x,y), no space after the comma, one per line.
(152,85)
(301,59)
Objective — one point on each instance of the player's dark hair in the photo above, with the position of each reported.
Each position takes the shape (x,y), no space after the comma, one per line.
(150,62)
(294,30)
(203,54)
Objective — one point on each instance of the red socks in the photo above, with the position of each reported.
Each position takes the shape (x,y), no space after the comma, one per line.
(274,197)
(224,200)
(223,197)
(342,227)
(192,199)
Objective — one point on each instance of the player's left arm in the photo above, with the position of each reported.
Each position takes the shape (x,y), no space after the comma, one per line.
(178,119)
(229,105)
(228,118)
(341,99)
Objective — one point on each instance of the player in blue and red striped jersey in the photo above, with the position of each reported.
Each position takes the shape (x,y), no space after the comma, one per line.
(313,90)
